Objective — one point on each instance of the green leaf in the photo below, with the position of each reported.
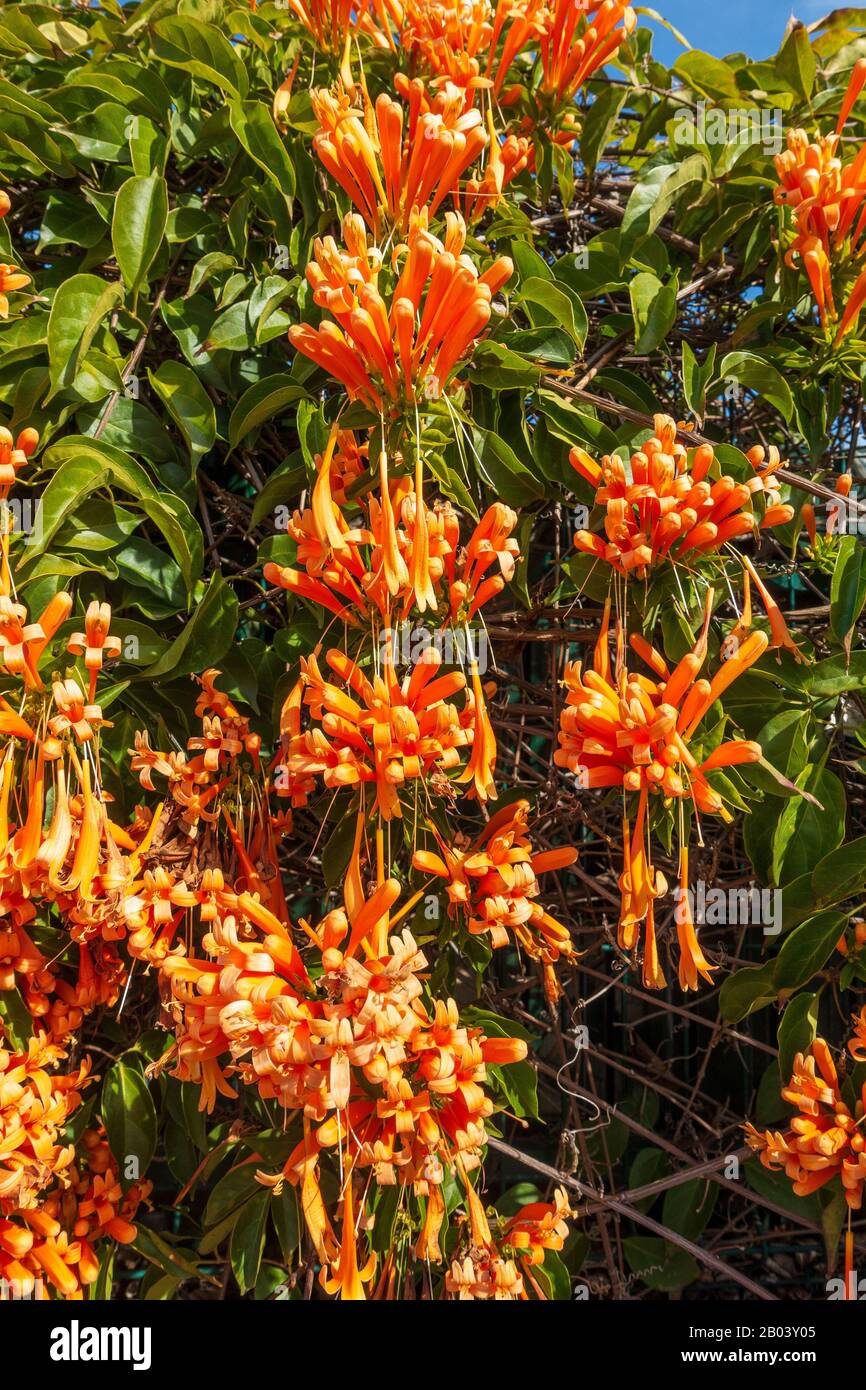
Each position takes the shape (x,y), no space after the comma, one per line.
(841,873)
(659,1264)
(806,833)
(138,226)
(555,1276)
(261,402)
(254,126)
(201,50)
(548,346)
(835,1214)
(653,196)
(654,307)
(79,307)
(167,1257)
(189,405)
(206,636)
(248,1241)
(795,62)
(757,375)
(66,490)
(747,990)
(129,1116)
(502,469)
(338,849)
(848,586)
(560,306)
(599,123)
(16,1019)
(286,1219)
(234,1188)
(688,1207)
(68,219)
(101,1289)
(797,1030)
(696,378)
(807,949)
(710,76)
(167,512)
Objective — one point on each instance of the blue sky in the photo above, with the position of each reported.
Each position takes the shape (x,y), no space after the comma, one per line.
(729,26)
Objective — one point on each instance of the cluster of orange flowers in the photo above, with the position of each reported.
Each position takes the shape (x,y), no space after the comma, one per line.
(492,883)
(400,341)
(390,163)
(473,47)
(668,507)
(624,729)
(825,1141)
(392,1084)
(389,1085)
(56,1200)
(50,757)
(827,196)
(403,554)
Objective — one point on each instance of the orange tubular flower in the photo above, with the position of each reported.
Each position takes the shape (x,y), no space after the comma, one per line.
(629,731)
(11,279)
(449,39)
(857,1045)
(334,23)
(538,1227)
(568,61)
(825,1141)
(381,731)
(667,508)
(390,173)
(406,352)
(826,197)
(94,643)
(14,458)
(22,643)
(493,881)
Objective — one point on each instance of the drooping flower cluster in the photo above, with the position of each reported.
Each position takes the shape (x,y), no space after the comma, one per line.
(825,1141)
(56,1198)
(623,729)
(397,332)
(391,1085)
(492,882)
(394,159)
(666,507)
(49,758)
(826,195)
(403,554)
(381,731)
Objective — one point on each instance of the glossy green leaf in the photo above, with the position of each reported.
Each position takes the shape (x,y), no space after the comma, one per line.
(129,1116)
(80,305)
(202,50)
(189,405)
(138,226)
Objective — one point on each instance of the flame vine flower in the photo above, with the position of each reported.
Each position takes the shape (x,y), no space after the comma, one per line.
(826,196)
(623,729)
(397,333)
(56,1198)
(825,1141)
(493,883)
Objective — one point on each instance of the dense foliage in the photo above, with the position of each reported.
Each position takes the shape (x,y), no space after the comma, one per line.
(429,492)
